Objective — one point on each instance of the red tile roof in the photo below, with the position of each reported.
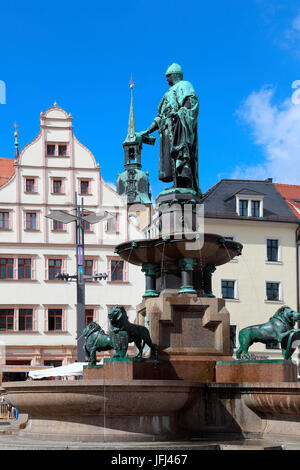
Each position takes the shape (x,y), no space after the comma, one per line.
(291,193)
(6,169)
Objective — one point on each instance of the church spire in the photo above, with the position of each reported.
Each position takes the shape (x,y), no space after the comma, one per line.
(133,183)
(131,137)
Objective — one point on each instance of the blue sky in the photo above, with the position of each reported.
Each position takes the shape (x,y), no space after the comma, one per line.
(242,57)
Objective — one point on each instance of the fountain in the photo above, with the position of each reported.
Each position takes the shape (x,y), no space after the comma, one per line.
(194,388)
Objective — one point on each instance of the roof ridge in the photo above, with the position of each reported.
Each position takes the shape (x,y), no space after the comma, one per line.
(286,184)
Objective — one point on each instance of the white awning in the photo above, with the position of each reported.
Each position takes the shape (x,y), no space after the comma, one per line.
(74,369)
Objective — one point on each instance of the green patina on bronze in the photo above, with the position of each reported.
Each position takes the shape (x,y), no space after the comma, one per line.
(95,340)
(176,122)
(208,271)
(279,328)
(121,333)
(150,270)
(186,266)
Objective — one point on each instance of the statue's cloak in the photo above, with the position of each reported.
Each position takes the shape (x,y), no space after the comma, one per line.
(179,132)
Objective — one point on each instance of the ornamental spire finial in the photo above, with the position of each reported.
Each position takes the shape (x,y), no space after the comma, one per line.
(16,134)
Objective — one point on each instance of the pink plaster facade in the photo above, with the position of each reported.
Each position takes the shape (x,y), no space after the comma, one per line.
(38,312)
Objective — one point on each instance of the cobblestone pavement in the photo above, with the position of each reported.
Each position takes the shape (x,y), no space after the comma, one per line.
(11,439)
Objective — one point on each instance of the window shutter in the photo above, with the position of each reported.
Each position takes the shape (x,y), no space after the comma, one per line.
(125,271)
(33,269)
(46,320)
(34,319)
(64,319)
(46,269)
(109,268)
(15,273)
(16,319)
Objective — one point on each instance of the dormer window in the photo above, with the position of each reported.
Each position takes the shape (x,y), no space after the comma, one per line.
(255,208)
(248,205)
(243,207)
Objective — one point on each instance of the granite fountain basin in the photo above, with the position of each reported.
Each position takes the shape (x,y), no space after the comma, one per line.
(93,410)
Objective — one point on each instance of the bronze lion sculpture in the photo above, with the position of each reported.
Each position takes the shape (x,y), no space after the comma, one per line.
(123,332)
(277,329)
(96,340)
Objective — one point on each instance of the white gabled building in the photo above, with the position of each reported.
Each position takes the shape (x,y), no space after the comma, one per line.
(37,311)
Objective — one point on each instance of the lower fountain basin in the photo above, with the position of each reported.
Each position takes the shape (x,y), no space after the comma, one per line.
(104,411)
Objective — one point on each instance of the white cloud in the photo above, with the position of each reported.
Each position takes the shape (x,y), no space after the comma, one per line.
(276,129)
(291,39)
(296,23)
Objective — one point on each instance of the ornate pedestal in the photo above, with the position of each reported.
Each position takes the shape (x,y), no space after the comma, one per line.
(191,332)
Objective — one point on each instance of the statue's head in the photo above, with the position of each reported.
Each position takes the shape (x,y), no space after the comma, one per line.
(117,314)
(286,314)
(174,74)
(91,328)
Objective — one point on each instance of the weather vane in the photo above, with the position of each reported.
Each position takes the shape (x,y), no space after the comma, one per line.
(131,82)
(16,126)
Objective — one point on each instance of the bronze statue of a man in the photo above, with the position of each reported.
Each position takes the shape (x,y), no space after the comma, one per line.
(176,122)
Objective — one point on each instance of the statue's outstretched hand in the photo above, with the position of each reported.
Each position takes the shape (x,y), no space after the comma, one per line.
(139,135)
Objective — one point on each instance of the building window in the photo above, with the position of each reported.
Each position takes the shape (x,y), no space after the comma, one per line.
(6,319)
(89,315)
(84,186)
(58,226)
(54,268)
(6,268)
(62,150)
(228,290)
(57,150)
(51,150)
(4,220)
(243,207)
(87,227)
(55,319)
(57,186)
(31,221)
(30,186)
(24,268)
(88,267)
(272,250)
(255,208)
(112,224)
(273,291)
(25,319)
(117,270)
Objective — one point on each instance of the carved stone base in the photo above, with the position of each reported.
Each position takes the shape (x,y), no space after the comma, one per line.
(131,369)
(191,332)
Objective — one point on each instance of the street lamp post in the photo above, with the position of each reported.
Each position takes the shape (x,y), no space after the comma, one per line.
(79,218)
(80,279)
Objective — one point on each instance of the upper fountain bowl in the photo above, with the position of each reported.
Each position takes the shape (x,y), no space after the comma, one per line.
(208,248)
